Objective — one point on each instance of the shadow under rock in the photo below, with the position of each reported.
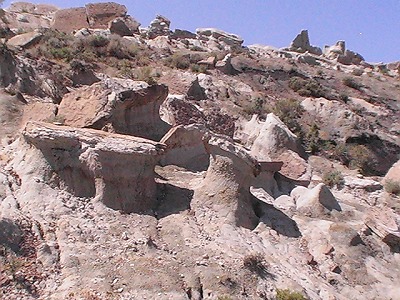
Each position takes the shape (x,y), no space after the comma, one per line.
(277,220)
(172,199)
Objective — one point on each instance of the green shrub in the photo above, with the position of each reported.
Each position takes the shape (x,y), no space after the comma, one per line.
(289,111)
(287,294)
(361,158)
(178,60)
(312,140)
(392,187)
(196,68)
(333,178)
(146,74)
(344,98)
(306,87)
(350,82)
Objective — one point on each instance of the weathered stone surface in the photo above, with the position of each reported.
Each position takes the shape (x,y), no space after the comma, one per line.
(272,138)
(394,173)
(301,43)
(384,223)
(100,14)
(123,106)
(70,19)
(124,26)
(25,40)
(317,201)
(209,62)
(185,147)
(225,65)
(116,169)
(219,35)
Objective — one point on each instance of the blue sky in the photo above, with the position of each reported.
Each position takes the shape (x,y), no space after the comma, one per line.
(370,27)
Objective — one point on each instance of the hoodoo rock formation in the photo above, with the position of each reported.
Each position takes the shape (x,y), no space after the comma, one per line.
(115,169)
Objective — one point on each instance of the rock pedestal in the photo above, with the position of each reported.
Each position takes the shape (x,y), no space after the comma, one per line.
(117,170)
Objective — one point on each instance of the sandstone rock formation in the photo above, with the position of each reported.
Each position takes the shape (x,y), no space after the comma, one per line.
(158,27)
(116,105)
(301,43)
(100,14)
(115,169)
(25,40)
(339,52)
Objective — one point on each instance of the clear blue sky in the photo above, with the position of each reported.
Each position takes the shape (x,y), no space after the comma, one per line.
(370,27)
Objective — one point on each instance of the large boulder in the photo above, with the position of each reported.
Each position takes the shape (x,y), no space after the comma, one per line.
(316,202)
(31,8)
(124,26)
(301,43)
(99,15)
(123,106)
(394,173)
(117,170)
(269,138)
(25,40)
(385,224)
(70,19)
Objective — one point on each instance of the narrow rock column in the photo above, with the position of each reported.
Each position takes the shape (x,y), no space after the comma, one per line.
(224,195)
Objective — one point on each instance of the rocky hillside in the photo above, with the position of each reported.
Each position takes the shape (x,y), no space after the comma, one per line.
(145,163)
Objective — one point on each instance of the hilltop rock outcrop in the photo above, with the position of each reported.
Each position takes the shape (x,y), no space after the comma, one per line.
(301,43)
(117,170)
(343,56)
(116,105)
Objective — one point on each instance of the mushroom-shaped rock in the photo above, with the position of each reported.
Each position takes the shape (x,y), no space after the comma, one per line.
(185,147)
(116,169)
(224,196)
(124,106)
(317,201)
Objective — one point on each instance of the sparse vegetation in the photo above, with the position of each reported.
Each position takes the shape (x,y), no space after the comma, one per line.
(286,294)
(392,187)
(289,111)
(350,82)
(333,178)
(256,264)
(361,158)
(306,87)
(178,60)
(146,74)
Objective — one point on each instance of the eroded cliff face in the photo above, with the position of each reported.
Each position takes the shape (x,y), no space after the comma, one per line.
(200,186)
